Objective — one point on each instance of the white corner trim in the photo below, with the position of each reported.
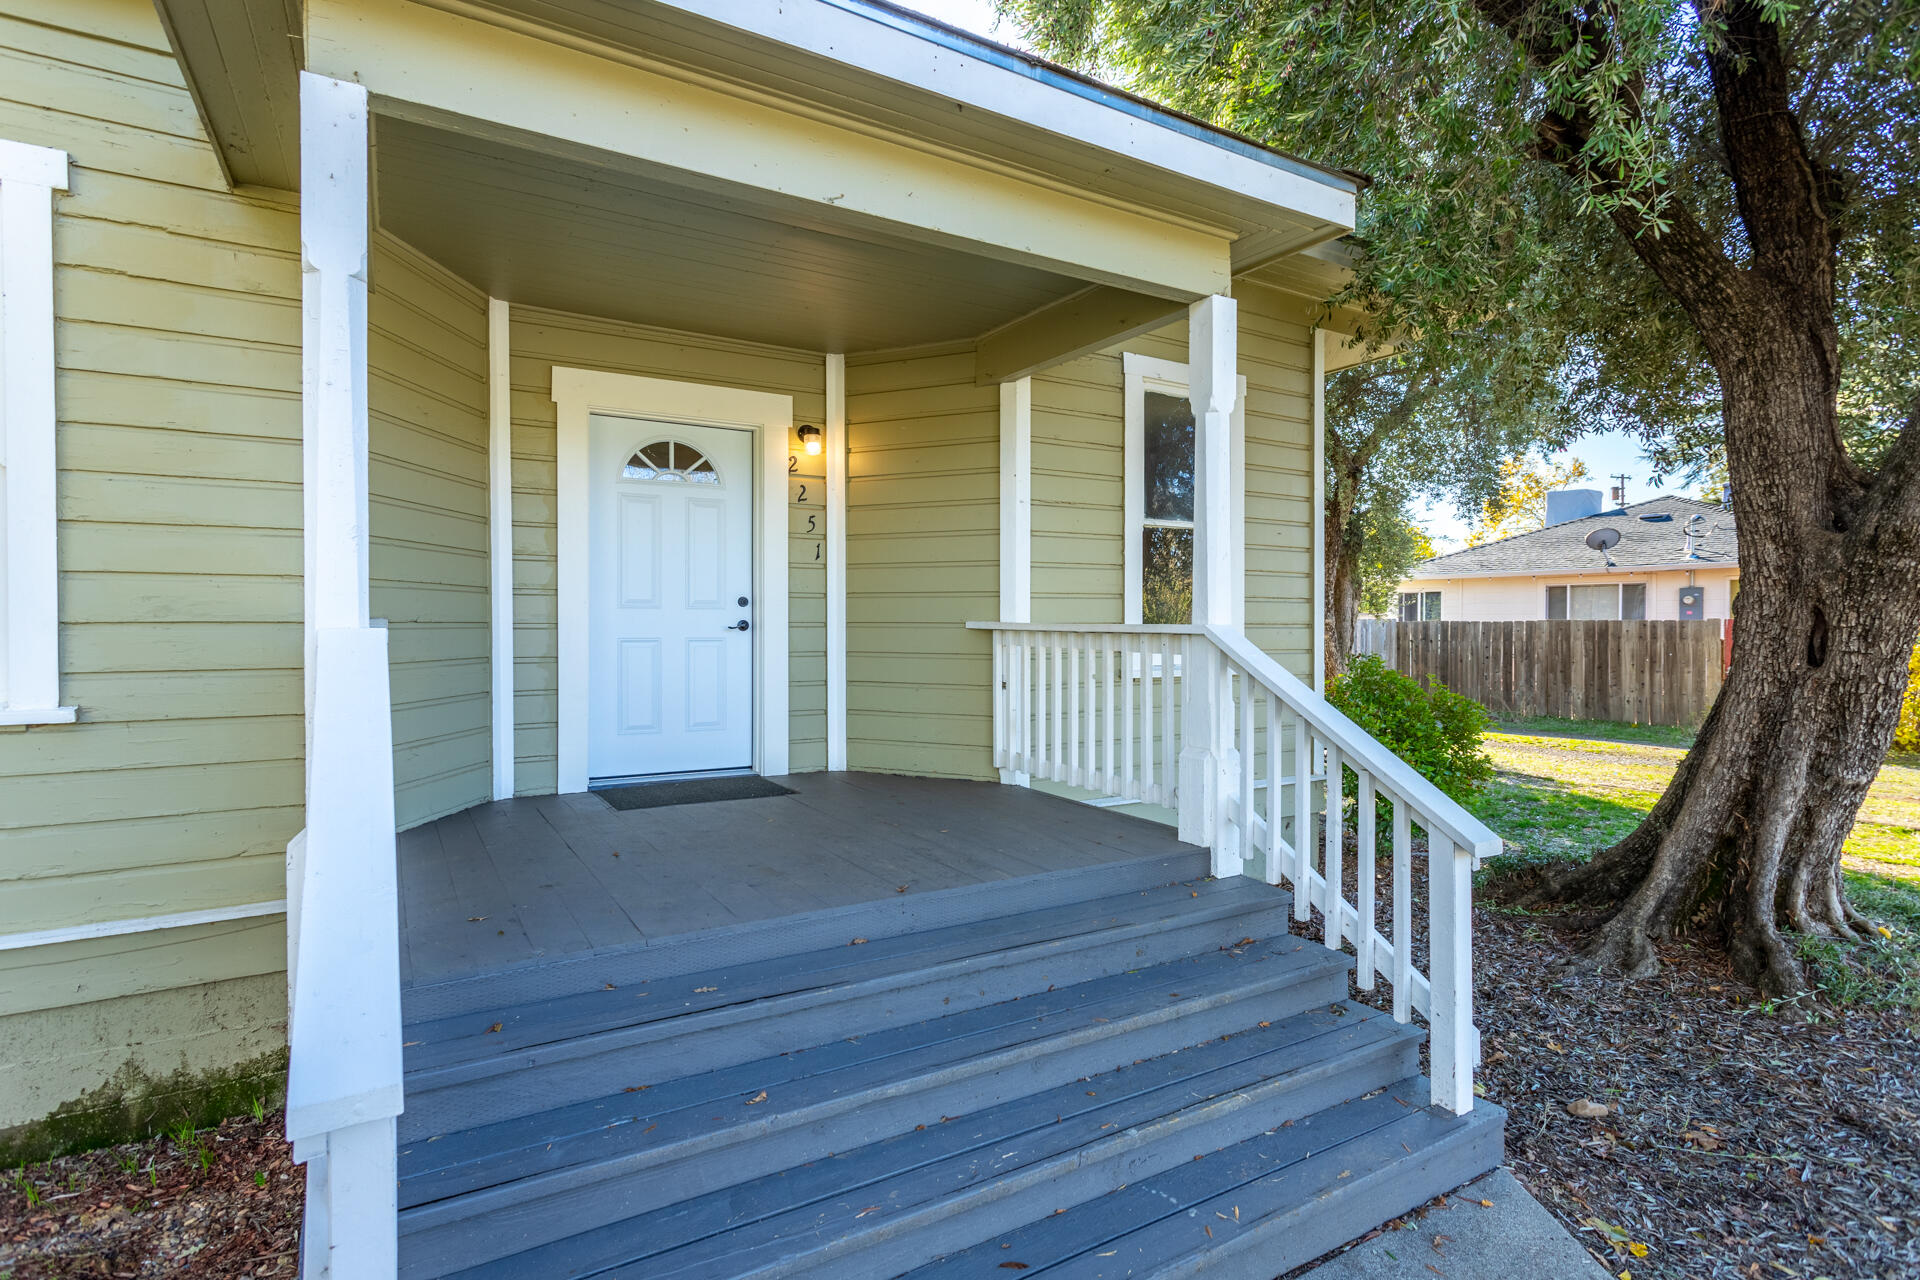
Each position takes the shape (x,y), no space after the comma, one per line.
(580,393)
(1016,500)
(500,538)
(140,924)
(1141,373)
(1317,644)
(834,445)
(30,569)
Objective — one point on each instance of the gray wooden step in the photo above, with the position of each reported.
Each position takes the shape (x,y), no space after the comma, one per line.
(1256,1209)
(570,1169)
(515,1061)
(894,916)
(877,1210)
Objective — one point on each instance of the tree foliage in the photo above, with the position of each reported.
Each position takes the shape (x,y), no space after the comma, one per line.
(1393,545)
(1512,270)
(1519,503)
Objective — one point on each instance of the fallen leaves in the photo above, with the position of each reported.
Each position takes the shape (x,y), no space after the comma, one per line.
(494,1028)
(757,1098)
(1588,1109)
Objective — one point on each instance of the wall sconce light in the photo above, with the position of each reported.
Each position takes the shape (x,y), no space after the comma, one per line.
(811,441)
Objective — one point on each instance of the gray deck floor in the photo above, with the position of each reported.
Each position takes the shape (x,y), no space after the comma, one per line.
(519,881)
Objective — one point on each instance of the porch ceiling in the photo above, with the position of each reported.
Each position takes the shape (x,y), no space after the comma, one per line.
(554,231)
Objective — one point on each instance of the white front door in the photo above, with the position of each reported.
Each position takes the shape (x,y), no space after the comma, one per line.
(670,653)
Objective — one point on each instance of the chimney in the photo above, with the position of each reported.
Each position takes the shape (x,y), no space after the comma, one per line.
(1571,504)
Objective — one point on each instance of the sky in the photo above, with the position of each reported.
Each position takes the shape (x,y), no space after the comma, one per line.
(1605,453)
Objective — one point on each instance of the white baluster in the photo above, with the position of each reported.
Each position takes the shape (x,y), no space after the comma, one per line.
(1302,818)
(1364,928)
(1245,708)
(1000,698)
(1402,912)
(1073,710)
(1333,859)
(1055,753)
(1129,665)
(1169,744)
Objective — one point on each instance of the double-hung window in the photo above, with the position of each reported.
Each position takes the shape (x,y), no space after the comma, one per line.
(29,565)
(1158,505)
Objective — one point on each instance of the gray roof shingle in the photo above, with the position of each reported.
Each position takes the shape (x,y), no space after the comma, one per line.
(1652,536)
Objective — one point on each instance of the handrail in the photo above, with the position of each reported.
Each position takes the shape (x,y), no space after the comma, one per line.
(1331,723)
(1255,762)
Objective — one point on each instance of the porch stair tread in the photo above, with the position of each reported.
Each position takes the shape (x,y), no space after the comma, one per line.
(1261,1207)
(471,1070)
(1068,1086)
(881,1208)
(951,1061)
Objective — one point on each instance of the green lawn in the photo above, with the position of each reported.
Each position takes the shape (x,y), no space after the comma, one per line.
(1558,795)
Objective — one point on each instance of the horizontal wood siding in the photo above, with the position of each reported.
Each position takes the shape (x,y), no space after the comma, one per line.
(178,351)
(427,422)
(923,559)
(178,346)
(1276,357)
(542,339)
(1079,467)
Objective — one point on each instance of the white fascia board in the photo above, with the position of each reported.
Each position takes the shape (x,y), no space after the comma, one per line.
(881,42)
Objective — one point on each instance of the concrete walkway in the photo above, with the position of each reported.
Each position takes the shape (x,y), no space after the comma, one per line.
(1516,1239)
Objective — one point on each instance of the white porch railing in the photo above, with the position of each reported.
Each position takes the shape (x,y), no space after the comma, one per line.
(1256,764)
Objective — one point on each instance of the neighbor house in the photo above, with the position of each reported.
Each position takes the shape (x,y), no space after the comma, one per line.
(448,418)
(1663,559)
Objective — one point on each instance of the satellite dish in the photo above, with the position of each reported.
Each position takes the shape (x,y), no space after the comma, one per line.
(1604,541)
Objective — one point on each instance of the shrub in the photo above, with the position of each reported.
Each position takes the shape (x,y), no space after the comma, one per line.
(1435,730)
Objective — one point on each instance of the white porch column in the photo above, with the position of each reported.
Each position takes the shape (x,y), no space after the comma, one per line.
(835,446)
(1016,522)
(500,539)
(343,1085)
(1209,763)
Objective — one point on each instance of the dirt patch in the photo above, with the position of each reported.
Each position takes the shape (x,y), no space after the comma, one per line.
(216,1204)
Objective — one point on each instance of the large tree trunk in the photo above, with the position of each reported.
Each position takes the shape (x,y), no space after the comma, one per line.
(1746,840)
(1344,542)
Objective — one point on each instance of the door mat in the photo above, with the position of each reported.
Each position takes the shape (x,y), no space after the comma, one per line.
(658,795)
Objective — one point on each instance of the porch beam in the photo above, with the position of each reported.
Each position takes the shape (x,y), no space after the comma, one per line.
(1088,321)
(612,109)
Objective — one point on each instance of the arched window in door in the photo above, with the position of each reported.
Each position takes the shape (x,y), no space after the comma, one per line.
(673,461)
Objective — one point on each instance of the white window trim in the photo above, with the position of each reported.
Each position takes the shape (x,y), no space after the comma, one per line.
(30,575)
(1141,374)
(1619,600)
(580,393)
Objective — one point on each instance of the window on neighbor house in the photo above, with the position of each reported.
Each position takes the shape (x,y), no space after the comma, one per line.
(1600,601)
(29,575)
(1159,501)
(1419,606)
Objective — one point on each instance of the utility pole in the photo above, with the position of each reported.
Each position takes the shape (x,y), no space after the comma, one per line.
(1620,490)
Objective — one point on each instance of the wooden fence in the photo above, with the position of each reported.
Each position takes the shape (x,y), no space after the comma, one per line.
(1636,672)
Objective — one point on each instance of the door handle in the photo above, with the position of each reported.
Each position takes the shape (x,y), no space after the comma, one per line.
(738,626)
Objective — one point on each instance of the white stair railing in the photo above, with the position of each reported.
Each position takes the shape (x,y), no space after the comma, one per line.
(1266,762)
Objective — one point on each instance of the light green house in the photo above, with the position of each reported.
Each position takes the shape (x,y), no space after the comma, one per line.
(426,415)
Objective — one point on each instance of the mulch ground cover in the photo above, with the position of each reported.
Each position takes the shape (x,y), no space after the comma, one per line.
(223,1204)
(1738,1139)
